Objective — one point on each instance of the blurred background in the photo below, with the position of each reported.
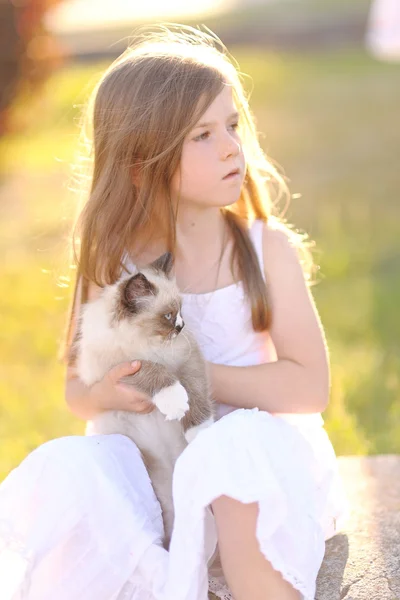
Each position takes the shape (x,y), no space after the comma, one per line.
(326,78)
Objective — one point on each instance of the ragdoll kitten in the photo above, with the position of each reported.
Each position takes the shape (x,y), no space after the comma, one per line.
(139,318)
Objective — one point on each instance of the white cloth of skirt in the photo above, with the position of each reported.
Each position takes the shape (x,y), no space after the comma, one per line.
(79,519)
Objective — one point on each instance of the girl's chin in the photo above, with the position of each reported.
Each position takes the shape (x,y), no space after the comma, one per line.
(204,204)
(222,203)
(229,200)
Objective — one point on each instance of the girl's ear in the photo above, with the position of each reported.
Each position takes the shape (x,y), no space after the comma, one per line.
(164,263)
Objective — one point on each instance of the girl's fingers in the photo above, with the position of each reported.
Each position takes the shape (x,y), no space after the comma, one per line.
(147,408)
(135,401)
(145,404)
(123,369)
(142,407)
(132,392)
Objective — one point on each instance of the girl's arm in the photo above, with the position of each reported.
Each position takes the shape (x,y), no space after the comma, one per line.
(298,382)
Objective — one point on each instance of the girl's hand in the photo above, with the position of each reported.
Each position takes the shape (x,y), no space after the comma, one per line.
(110,394)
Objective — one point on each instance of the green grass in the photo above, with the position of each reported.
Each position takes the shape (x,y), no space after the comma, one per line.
(329,119)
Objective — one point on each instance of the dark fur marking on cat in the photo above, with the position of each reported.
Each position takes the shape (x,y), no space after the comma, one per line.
(133,291)
(164,264)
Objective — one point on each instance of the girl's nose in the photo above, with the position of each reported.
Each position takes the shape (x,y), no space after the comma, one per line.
(230,147)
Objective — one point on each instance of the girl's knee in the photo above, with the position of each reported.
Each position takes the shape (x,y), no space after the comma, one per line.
(227,508)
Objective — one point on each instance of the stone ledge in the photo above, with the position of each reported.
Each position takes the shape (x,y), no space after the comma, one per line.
(363,562)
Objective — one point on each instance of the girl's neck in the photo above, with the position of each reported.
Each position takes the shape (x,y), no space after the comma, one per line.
(199,234)
(202,252)
(202,258)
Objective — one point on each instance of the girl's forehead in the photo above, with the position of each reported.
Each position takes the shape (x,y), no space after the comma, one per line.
(223,104)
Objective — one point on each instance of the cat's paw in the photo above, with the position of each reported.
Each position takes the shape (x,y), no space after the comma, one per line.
(191,433)
(172,401)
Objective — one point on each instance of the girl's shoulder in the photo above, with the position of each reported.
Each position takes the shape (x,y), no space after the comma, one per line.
(274,232)
(284,251)
(278,249)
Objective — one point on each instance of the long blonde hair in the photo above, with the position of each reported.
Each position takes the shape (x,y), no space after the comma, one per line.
(138,116)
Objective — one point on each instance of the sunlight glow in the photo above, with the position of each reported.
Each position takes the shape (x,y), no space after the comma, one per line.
(75,15)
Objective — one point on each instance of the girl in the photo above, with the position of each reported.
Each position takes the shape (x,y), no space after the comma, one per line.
(177,166)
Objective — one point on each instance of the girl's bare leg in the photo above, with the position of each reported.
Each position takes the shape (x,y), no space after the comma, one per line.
(248,574)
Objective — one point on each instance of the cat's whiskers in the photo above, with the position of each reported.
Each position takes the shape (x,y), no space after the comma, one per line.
(169,343)
(168,340)
(173,348)
(185,337)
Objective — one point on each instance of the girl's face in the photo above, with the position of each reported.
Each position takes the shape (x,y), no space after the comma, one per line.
(211,152)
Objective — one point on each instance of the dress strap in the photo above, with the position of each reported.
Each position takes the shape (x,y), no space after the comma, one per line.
(128,264)
(256,236)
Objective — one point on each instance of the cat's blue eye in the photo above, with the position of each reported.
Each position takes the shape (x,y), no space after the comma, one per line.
(168,316)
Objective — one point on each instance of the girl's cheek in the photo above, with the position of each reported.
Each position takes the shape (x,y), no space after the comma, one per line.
(196,173)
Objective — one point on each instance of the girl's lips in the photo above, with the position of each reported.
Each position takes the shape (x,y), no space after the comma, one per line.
(232,174)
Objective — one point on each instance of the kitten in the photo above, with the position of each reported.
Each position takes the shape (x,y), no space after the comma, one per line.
(139,317)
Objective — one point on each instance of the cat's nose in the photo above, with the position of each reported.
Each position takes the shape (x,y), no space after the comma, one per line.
(180,326)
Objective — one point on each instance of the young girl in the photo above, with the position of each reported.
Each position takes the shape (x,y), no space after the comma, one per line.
(177,166)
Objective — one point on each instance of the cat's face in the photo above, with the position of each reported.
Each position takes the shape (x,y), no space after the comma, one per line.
(150,301)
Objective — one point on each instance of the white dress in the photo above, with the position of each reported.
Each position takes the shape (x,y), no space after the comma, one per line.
(79,519)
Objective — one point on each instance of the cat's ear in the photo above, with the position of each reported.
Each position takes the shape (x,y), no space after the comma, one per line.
(164,263)
(137,287)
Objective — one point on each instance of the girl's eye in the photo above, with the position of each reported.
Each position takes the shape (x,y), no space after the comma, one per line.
(202,136)
(168,316)
(234,126)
